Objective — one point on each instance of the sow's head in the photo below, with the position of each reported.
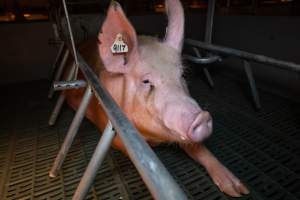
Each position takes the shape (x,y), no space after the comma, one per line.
(154,95)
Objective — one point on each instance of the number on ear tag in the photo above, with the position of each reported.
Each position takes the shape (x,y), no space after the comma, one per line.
(119,46)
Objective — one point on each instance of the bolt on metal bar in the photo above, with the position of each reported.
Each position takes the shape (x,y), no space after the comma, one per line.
(95,162)
(156,177)
(245,55)
(71,38)
(61,99)
(59,72)
(72,131)
(68,85)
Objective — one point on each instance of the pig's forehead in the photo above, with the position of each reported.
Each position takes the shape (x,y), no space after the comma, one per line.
(158,57)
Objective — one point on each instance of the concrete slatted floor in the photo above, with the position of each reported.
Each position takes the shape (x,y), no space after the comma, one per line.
(262,148)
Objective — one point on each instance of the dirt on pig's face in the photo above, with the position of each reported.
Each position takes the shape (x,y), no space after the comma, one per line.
(147,80)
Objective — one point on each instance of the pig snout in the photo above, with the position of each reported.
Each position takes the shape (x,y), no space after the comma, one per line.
(187,121)
(201,127)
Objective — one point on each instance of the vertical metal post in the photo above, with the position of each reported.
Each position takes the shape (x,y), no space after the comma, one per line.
(209,21)
(71,38)
(56,34)
(59,70)
(251,80)
(206,72)
(95,163)
(208,34)
(73,129)
(60,100)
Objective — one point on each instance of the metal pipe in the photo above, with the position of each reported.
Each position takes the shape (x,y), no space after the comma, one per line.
(251,81)
(59,71)
(245,55)
(206,72)
(209,21)
(72,131)
(67,85)
(156,177)
(206,60)
(60,100)
(71,38)
(95,163)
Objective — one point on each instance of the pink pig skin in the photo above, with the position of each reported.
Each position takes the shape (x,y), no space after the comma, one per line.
(147,84)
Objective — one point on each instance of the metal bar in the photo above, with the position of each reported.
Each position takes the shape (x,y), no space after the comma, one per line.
(55,30)
(95,163)
(59,71)
(245,55)
(72,131)
(208,76)
(251,80)
(71,38)
(60,100)
(206,60)
(209,21)
(68,85)
(206,72)
(156,177)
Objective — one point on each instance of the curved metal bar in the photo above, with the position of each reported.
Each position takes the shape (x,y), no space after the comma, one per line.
(206,60)
(245,55)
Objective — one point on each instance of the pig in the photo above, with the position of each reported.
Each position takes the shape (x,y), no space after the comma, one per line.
(147,83)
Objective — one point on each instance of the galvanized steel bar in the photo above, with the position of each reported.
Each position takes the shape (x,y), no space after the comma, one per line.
(203,60)
(156,177)
(251,80)
(68,85)
(95,163)
(245,55)
(59,71)
(206,72)
(71,38)
(72,131)
(209,21)
(61,99)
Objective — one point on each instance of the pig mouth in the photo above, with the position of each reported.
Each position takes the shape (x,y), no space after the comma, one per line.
(200,128)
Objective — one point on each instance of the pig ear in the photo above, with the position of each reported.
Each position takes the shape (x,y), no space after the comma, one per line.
(175,29)
(114,24)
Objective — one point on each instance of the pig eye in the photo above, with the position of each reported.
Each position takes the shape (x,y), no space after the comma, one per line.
(146,81)
(149,85)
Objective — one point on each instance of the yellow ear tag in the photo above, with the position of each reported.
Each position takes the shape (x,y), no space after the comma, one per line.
(119,46)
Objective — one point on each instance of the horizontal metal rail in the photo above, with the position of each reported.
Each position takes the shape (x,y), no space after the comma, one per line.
(244,55)
(156,177)
(206,60)
(68,85)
